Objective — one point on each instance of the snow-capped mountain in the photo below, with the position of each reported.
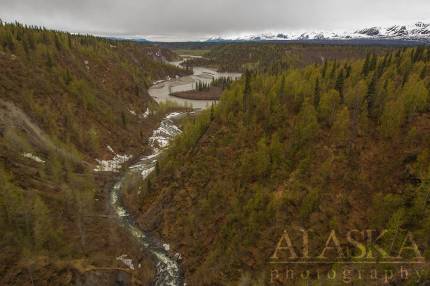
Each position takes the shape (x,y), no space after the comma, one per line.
(417,32)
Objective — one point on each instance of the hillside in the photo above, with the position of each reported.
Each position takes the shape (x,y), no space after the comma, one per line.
(65,101)
(276,57)
(337,146)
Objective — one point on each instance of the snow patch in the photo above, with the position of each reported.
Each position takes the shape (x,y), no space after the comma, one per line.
(146,113)
(178,256)
(145,173)
(33,157)
(110,149)
(113,165)
(127,261)
(162,135)
(158,81)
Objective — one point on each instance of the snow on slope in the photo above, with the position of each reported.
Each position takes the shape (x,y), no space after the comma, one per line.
(419,31)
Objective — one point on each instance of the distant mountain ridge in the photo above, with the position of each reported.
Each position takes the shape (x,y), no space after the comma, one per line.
(419,31)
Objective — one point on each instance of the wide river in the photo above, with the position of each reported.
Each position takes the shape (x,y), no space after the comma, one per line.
(161,91)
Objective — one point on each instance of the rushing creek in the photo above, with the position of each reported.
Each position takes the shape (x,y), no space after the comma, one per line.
(168,271)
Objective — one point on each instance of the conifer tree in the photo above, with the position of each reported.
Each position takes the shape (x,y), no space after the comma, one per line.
(157,168)
(392,118)
(212,115)
(123,119)
(69,41)
(148,185)
(423,73)
(328,105)
(57,41)
(49,61)
(348,71)
(67,77)
(306,126)
(262,162)
(333,70)
(247,92)
(366,68)
(324,71)
(339,85)
(281,92)
(53,167)
(341,126)
(317,93)
(373,62)
(10,42)
(44,233)
(371,98)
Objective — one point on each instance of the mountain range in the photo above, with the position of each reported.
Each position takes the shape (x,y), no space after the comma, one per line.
(419,31)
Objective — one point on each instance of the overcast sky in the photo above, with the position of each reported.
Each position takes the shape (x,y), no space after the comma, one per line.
(196,19)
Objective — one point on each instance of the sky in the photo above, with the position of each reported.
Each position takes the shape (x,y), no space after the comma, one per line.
(170,20)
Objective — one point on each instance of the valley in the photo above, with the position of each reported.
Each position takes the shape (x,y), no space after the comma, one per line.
(56,220)
(138,163)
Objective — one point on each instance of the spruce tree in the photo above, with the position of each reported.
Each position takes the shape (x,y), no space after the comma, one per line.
(423,73)
(365,69)
(157,168)
(339,85)
(148,185)
(281,92)
(371,98)
(317,93)
(49,61)
(324,71)
(212,115)
(247,92)
(123,119)
(373,62)
(44,234)
(348,71)
(333,70)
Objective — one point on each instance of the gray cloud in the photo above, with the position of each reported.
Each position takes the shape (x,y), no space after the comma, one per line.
(193,19)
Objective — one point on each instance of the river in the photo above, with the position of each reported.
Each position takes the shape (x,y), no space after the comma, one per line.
(168,272)
(160,91)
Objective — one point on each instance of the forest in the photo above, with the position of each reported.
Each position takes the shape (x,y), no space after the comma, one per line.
(322,137)
(333,146)
(63,99)
(274,57)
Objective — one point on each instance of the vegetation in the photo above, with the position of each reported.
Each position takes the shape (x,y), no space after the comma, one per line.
(63,99)
(192,52)
(275,58)
(342,145)
(323,137)
(206,90)
(221,82)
